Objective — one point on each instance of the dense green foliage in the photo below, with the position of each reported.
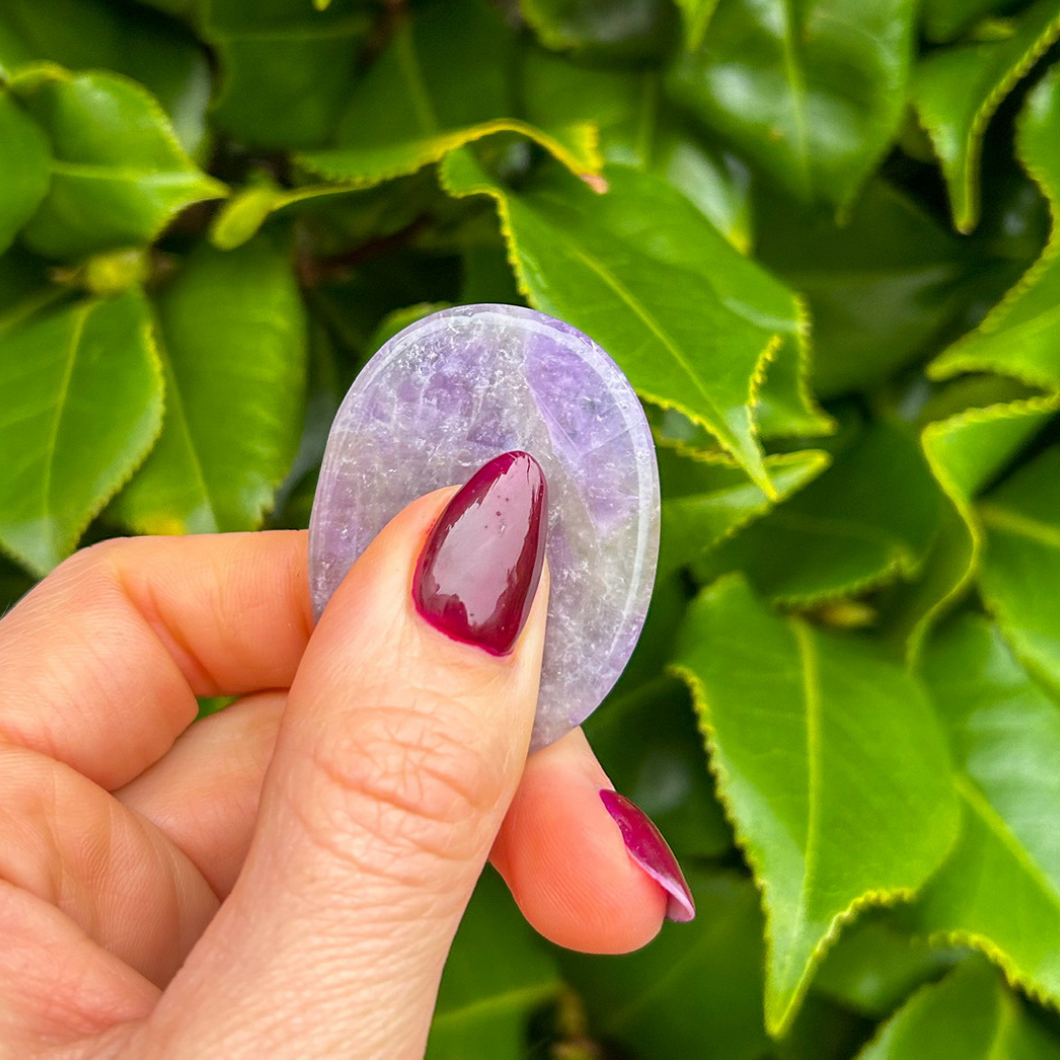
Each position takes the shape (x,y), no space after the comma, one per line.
(821,237)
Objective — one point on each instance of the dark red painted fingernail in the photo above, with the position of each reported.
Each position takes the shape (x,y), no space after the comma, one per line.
(480,568)
(651,852)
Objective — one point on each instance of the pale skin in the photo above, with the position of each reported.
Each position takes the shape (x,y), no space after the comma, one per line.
(283,879)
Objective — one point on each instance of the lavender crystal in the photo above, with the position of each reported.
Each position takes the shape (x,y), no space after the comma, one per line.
(454,390)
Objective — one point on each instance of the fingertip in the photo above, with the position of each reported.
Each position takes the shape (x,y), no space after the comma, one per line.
(563,856)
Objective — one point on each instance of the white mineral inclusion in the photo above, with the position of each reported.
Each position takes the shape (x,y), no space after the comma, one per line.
(459,387)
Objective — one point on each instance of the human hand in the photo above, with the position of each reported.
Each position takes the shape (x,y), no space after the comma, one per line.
(283,879)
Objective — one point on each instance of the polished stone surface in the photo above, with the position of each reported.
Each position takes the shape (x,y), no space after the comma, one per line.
(451,392)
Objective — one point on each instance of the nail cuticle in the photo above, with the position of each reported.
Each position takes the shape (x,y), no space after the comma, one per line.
(481,565)
(647,847)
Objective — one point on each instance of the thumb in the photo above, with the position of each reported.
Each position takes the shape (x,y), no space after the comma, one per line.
(402,745)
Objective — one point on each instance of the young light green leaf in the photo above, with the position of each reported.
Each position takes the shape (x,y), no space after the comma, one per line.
(869,519)
(1020,337)
(82,406)
(956,91)
(95,35)
(497,974)
(235,374)
(970,1014)
(1000,888)
(857,808)
(245,212)
(409,110)
(964,451)
(1021,563)
(689,320)
(24,168)
(288,69)
(812,92)
(695,991)
(118,175)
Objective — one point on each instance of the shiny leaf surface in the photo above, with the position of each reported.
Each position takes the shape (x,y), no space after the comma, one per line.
(812,92)
(24,168)
(118,174)
(410,110)
(1021,336)
(689,320)
(235,379)
(969,1014)
(821,841)
(956,91)
(1000,888)
(83,405)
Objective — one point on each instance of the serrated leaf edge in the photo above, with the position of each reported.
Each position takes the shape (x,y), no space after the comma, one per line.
(776,1024)
(68,546)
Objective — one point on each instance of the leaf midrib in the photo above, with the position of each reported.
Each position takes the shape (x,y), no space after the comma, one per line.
(649,322)
(798,91)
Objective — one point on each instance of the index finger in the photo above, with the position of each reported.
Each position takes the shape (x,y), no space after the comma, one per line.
(101,663)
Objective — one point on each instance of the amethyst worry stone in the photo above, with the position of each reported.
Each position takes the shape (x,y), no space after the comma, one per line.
(456,389)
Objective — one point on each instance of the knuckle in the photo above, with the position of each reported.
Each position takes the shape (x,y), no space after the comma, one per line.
(410,779)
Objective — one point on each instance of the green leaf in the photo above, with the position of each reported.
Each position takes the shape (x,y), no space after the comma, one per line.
(235,381)
(1020,337)
(410,110)
(831,765)
(24,168)
(1000,888)
(94,35)
(706,498)
(1021,563)
(690,321)
(497,974)
(647,743)
(695,991)
(82,406)
(965,451)
(876,964)
(811,92)
(889,284)
(118,175)
(603,29)
(956,91)
(869,519)
(240,218)
(971,1015)
(287,69)
(14,584)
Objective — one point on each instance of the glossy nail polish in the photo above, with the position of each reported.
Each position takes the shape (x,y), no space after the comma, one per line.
(651,852)
(477,574)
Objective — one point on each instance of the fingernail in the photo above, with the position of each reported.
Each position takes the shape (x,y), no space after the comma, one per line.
(651,852)
(477,575)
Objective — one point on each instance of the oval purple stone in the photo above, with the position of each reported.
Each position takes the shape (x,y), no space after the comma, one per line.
(456,389)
